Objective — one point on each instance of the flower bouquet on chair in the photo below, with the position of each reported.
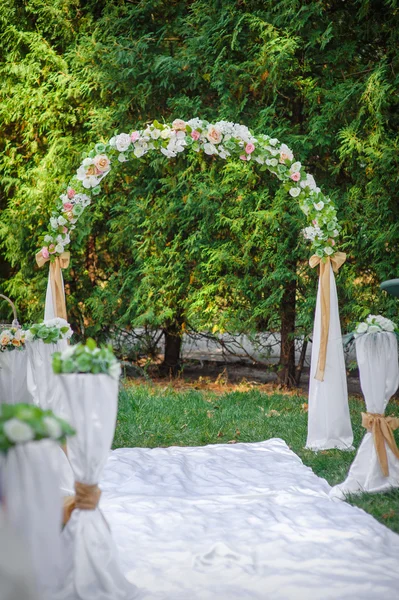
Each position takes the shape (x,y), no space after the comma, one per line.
(42,340)
(13,367)
(376,465)
(89,377)
(29,481)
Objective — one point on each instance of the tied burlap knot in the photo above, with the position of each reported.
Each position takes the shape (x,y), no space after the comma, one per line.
(86,497)
(336,261)
(57,289)
(382,429)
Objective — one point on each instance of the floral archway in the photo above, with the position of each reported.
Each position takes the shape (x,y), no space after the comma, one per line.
(228,141)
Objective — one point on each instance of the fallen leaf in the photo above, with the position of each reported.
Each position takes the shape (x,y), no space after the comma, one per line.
(220,434)
(232,442)
(273,413)
(209,414)
(305,407)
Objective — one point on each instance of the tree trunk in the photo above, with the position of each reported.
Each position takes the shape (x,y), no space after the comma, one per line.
(171,362)
(286,370)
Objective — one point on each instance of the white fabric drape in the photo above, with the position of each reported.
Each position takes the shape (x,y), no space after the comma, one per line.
(33,507)
(45,386)
(92,569)
(13,377)
(17,579)
(49,311)
(329,424)
(47,393)
(377,358)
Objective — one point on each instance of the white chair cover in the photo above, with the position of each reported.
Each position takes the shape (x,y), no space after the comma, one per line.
(47,393)
(91,563)
(13,377)
(17,579)
(33,508)
(329,424)
(377,358)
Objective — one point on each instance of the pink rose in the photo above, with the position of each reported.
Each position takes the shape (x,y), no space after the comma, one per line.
(134,136)
(296,176)
(244,157)
(315,222)
(332,242)
(214,135)
(65,230)
(51,248)
(70,193)
(68,206)
(195,135)
(102,162)
(45,252)
(249,148)
(179,125)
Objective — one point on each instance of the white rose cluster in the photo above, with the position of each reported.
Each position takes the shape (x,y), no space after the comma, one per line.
(375,324)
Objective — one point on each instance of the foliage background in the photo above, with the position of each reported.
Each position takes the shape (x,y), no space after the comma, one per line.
(322,76)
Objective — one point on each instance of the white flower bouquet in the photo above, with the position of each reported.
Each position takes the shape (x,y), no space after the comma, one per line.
(375,324)
(22,423)
(87,358)
(12,339)
(49,331)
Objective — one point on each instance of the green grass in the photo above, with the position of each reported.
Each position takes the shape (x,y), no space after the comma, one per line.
(153,416)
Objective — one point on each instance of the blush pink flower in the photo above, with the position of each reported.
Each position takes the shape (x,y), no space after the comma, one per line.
(249,148)
(102,163)
(51,248)
(195,135)
(45,252)
(315,222)
(70,193)
(332,242)
(68,206)
(134,136)
(214,135)
(179,125)
(296,176)
(244,157)
(65,230)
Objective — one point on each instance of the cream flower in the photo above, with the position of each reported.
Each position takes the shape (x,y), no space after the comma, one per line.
(102,162)
(122,142)
(17,431)
(53,427)
(294,192)
(214,135)
(362,328)
(179,125)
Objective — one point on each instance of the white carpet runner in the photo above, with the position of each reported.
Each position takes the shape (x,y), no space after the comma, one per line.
(244,521)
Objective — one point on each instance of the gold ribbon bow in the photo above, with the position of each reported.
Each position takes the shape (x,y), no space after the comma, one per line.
(336,261)
(86,497)
(382,429)
(57,289)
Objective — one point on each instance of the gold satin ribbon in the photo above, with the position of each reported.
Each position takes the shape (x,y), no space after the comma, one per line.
(86,497)
(336,261)
(57,290)
(382,429)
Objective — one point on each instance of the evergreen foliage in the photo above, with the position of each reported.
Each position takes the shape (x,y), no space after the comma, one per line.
(198,245)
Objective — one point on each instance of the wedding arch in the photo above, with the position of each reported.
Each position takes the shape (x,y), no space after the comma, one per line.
(227,141)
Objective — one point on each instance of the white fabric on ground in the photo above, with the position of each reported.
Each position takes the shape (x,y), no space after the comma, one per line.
(329,424)
(244,521)
(377,358)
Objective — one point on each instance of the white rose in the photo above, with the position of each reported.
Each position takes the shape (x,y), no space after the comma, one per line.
(362,328)
(115,370)
(62,221)
(319,205)
(374,328)
(389,326)
(139,151)
(294,192)
(273,162)
(53,427)
(18,432)
(168,153)
(54,223)
(48,239)
(328,250)
(68,352)
(165,133)
(155,133)
(28,335)
(122,142)
(273,141)
(86,162)
(296,166)
(122,158)
(209,149)
(59,248)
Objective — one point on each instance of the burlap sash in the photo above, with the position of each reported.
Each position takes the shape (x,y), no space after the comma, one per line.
(382,429)
(57,290)
(336,261)
(86,497)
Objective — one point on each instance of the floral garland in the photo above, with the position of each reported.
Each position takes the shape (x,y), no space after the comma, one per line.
(12,339)
(49,331)
(375,324)
(22,423)
(223,139)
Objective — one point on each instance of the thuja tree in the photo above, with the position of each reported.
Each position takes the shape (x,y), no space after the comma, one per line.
(321,76)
